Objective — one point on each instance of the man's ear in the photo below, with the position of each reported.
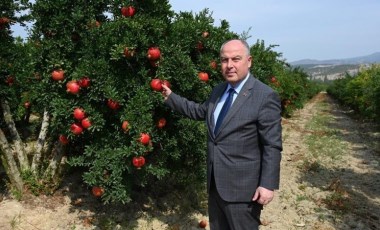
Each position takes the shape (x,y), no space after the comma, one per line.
(250,61)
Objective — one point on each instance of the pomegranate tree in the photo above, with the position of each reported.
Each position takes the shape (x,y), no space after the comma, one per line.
(94,83)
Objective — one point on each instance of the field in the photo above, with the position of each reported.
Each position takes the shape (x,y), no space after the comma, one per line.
(329,180)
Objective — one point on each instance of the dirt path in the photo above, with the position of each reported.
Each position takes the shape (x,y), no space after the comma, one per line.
(348,184)
(336,191)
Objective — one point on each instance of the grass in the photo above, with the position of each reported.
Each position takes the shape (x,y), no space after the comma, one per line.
(300,198)
(324,141)
(310,166)
(325,146)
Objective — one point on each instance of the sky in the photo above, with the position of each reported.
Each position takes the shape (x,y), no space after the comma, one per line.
(302,29)
(307,29)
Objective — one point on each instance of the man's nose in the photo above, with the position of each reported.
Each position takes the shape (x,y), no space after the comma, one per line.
(229,64)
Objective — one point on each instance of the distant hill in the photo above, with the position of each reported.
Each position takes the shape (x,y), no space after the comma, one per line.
(335,68)
(331,72)
(373,58)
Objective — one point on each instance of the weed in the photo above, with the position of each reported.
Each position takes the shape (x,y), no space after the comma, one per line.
(31,182)
(15,221)
(17,194)
(310,166)
(301,198)
(107,223)
(284,196)
(302,187)
(285,137)
(37,185)
(338,201)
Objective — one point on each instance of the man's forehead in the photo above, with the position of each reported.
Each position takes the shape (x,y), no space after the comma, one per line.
(224,55)
(233,51)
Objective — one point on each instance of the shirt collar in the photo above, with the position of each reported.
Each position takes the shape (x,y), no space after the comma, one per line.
(239,85)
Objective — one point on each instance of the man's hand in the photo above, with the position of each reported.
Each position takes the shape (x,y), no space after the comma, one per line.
(263,196)
(166,91)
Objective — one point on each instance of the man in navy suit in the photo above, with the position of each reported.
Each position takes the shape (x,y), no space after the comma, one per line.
(244,151)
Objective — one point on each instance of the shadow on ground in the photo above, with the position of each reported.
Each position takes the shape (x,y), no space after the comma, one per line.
(170,206)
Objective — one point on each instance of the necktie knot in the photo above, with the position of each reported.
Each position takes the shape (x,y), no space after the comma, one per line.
(231,90)
(225,108)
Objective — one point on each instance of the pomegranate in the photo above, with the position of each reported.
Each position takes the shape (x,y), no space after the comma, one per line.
(156,84)
(144,138)
(97,191)
(138,162)
(76,129)
(86,123)
(114,105)
(205,34)
(10,80)
(63,139)
(203,76)
(57,75)
(4,20)
(273,79)
(200,46)
(125,126)
(129,52)
(202,224)
(84,82)
(161,123)
(154,53)
(79,114)
(72,87)
(27,105)
(213,64)
(166,83)
(128,11)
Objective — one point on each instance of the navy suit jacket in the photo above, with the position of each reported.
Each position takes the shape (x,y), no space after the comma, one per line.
(246,151)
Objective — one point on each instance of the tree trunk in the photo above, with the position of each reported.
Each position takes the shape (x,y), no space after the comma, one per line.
(14,155)
(40,142)
(9,163)
(18,144)
(55,163)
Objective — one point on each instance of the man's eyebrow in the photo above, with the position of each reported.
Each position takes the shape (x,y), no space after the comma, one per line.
(237,56)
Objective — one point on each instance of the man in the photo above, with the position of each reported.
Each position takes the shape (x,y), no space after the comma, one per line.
(244,150)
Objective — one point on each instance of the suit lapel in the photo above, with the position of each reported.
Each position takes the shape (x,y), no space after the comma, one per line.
(240,100)
(215,97)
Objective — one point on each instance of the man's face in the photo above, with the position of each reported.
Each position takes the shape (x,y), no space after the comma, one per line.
(235,61)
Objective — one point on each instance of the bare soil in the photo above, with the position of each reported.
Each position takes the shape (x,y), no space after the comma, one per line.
(339,193)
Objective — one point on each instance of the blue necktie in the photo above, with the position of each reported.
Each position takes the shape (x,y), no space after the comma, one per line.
(225,108)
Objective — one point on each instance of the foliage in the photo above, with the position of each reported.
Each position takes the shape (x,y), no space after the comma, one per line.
(360,92)
(14,55)
(84,42)
(292,84)
(266,61)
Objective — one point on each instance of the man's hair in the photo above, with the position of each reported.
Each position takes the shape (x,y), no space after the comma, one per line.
(245,44)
